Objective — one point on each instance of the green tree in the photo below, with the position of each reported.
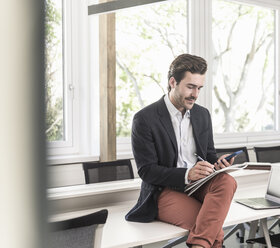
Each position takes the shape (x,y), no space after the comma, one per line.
(54,104)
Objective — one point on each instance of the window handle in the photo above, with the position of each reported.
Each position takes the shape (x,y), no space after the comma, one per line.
(71,88)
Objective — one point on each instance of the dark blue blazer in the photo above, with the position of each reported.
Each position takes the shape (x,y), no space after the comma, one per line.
(156,153)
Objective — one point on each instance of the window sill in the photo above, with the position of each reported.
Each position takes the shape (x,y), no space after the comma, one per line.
(93,189)
(247,139)
(70,159)
(75,159)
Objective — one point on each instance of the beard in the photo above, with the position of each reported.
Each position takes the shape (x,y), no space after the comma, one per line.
(188,102)
(182,102)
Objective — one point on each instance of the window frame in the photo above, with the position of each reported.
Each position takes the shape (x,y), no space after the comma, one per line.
(67,77)
(77,88)
(248,139)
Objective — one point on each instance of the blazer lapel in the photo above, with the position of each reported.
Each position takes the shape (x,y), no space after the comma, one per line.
(166,122)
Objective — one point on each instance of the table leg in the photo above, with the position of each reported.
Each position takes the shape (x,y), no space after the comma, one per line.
(263,224)
(176,241)
(252,232)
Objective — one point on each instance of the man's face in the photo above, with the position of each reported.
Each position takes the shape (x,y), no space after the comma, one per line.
(184,95)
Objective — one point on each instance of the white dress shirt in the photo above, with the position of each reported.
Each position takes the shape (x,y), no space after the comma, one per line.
(184,136)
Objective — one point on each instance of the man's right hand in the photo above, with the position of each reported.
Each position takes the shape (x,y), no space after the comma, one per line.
(200,170)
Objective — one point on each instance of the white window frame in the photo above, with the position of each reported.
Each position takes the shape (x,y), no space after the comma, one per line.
(78,93)
(68,87)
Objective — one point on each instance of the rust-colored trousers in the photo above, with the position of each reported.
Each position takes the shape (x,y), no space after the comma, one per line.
(203,213)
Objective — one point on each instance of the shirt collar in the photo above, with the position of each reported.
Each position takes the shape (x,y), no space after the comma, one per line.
(173,111)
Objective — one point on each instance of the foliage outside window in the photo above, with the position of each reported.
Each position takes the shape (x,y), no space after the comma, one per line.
(54,71)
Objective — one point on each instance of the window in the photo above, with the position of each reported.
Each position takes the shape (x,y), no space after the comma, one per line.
(59,77)
(244,68)
(239,39)
(68,94)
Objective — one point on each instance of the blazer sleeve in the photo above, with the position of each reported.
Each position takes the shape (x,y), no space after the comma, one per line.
(145,149)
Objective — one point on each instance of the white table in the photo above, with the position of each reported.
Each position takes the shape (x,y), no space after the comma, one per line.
(133,234)
(118,233)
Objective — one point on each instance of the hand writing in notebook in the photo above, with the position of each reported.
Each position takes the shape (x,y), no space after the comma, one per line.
(200,170)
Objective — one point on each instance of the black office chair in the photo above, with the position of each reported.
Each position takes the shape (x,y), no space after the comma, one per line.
(268,154)
(241,158)
(96,172)
(81,232)
(274,238)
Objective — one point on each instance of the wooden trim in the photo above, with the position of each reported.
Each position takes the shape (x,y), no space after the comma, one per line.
(107,65)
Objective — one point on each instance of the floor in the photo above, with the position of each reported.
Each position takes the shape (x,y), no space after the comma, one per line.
(231,242)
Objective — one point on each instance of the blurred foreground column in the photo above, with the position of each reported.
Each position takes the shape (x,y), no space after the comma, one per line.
(22,165)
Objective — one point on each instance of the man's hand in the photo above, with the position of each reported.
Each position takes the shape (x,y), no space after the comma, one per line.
(200,170)
(222,163)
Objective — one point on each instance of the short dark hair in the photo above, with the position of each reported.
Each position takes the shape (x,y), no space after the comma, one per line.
(183,63)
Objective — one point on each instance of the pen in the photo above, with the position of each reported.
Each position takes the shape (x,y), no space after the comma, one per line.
(201,159)
(198,157)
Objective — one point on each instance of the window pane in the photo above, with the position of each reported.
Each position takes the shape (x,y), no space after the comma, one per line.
(243,67)
(54,71)
(147,40)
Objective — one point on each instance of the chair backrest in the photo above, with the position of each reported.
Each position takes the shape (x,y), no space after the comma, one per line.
(82,232)
(96,172)
(241,158)
(268,154)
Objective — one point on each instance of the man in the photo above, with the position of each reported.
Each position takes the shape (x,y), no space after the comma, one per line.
(166,135)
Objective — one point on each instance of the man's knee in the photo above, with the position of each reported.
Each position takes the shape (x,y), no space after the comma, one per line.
(230,180)
(227,181)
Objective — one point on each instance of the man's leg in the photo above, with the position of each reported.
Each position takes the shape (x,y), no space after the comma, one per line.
(203,214)
(178,209)
(216,196)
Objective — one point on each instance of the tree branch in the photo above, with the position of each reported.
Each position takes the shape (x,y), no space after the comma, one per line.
(133,79)
(156,81)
